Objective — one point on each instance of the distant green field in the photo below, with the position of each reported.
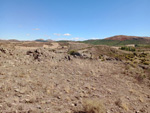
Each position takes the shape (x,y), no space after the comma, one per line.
(102,42)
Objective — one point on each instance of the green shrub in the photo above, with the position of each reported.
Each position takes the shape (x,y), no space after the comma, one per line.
(100,57)
(128,48)
(135,62)
(145,63)
(143,55)
(129,56)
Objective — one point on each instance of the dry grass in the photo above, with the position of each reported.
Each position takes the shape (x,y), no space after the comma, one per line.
(92,106)
(120,103)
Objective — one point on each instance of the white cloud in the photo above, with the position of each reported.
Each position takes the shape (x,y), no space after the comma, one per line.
(36,29)
(67,34)
(57,34)
(28,34)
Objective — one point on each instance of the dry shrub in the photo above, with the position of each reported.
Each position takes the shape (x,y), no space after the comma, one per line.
(120,103)
(140,78)
(93,106)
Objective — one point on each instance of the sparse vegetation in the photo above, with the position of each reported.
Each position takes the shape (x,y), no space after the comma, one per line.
(92,106)
(122,104)
(102,42)
(140,77)
(128,48)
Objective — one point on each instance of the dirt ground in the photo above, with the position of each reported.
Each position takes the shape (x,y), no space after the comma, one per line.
(49,80)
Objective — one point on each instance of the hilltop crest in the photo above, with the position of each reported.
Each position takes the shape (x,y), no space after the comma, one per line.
(124,37)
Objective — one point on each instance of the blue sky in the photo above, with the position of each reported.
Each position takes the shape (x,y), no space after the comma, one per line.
(73,19)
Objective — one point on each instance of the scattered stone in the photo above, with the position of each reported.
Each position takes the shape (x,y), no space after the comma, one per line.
(3,50)
(20,108)
(38,106)
(9,104)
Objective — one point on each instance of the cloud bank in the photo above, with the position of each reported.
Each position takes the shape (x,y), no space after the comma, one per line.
(58,34)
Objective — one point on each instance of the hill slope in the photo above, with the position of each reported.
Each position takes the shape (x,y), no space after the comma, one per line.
(120,40)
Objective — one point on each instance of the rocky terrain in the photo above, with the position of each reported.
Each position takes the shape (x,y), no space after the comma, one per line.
(40,77)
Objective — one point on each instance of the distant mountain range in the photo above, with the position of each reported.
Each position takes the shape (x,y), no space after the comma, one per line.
(42,40)
(120,40)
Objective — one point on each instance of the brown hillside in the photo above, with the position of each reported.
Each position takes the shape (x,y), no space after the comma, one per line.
(44,77)
(124,37)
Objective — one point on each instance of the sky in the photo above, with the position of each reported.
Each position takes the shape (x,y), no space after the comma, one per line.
(73,19)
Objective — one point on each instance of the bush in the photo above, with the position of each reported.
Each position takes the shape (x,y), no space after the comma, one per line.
(129,56)
(140,78)
(92,106)
(128,48)
(73,52)
(145,63)
(143,55)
